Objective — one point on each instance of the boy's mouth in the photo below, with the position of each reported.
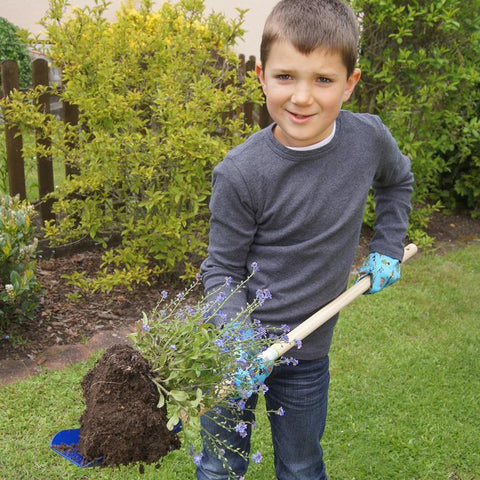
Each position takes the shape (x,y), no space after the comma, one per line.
(299,117)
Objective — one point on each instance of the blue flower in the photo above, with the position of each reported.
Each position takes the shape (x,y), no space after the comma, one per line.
(173,346)
(263,295)
(146,327)
(241,428)
(254,266)
(218,343)
(298,343)
(263,389)
(242,362)
(291,361)
(164,294)
(228,281)
(220,297)
(257,457)
(197,459)
(280,412)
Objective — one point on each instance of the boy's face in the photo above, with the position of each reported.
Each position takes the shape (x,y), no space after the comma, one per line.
(304,93)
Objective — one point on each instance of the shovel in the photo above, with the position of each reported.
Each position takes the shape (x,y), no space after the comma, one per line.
(65,442)
(326,313)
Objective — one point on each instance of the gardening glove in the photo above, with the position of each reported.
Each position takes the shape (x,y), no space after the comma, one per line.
(247,380)
(384,271)
(252,370)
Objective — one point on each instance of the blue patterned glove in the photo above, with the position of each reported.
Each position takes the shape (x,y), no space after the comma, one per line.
(383,269)
(252,370)
(249,379)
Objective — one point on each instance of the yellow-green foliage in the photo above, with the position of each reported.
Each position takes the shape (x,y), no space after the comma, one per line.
(160,104)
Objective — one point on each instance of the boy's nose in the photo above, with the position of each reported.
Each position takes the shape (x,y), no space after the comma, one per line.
(302,95)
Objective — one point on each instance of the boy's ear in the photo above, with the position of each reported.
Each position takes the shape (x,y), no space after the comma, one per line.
(259,72)
(351,83)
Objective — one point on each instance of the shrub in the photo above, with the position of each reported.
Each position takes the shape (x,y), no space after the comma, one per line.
(160,104)
(13,47)
(18,283)
(420,64)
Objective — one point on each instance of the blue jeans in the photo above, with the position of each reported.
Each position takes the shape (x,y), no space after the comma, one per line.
(302,392)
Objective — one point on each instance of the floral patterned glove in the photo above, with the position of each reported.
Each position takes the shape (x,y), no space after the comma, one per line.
(383,269)
(251,378)
(252,370)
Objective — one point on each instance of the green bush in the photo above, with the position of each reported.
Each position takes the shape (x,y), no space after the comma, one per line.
(13,47)
(420,62)
(18,283)
(160,104)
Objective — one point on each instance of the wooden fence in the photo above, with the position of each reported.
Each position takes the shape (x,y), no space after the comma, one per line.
(69,113)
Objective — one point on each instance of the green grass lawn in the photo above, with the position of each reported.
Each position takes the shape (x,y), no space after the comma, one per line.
(404,398)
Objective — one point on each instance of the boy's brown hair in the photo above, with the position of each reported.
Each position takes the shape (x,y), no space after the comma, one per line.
(310,24)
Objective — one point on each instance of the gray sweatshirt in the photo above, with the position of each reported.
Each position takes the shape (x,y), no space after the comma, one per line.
(298,215)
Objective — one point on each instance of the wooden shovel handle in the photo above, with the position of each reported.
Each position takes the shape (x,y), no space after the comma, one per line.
(324,314)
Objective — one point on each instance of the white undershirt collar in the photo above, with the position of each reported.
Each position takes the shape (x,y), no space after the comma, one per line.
(322,143)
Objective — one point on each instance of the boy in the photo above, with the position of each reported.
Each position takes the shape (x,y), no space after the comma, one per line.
(291,199)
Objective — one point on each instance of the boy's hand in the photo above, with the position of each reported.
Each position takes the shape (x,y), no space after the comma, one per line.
(252,370)
(383,269)
(248,380)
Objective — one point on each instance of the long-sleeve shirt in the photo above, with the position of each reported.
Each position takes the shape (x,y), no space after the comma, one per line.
(298,215)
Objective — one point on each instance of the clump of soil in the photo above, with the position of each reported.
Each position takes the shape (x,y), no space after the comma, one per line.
(121,421)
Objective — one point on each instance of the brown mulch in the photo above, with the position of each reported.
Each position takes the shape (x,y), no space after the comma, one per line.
(62,320)
(65,317)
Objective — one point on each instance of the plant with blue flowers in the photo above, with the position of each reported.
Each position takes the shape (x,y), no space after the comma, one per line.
(199,367)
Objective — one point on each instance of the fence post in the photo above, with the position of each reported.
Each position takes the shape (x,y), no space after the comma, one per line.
(44,161)
(14,142)
(70,116)
(248,109)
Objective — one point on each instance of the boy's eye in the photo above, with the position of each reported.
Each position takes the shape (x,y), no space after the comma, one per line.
(323,80)
(283,76)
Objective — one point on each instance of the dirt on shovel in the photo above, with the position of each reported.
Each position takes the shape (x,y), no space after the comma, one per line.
(121,422)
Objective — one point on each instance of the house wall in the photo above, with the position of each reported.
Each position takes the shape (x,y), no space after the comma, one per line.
(27,13)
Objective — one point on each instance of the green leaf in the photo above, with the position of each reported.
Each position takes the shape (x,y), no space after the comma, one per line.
(161,400)
(195,403)
(173,421)
(178,395)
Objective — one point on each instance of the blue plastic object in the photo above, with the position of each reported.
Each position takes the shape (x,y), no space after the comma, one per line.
(65,443)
